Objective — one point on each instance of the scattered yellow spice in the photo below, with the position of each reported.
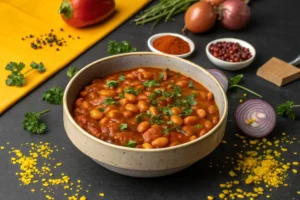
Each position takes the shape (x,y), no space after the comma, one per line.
(210,198)
(101,194)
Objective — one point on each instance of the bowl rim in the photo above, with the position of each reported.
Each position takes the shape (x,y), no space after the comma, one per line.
(185,38)
(82,131)
(233,40)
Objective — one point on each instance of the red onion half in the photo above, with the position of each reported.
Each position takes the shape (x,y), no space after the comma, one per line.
(221,78)
(235,14)
(255,118)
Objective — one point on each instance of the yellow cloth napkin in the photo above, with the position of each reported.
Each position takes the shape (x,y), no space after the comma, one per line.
(20,18)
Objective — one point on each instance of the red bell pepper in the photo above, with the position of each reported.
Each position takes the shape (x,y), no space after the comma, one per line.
(81,13)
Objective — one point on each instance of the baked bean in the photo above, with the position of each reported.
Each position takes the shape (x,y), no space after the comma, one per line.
(132,108)
(119,90)
(104,120)
(108,93)
(201,113)
(208,124)
(182,84)
(141,88)
(176,110)
(115,114)
(127,114)
(160,142)
(142,97)
(201,94)
(147,93)
(191,120)
(215,120)
(136,83)
(85,105)
(166,118)
(143,126)
(130,76)
(124,101)
(156,126)
(212,109)
(176,120)
(92,95)
(142,76)
(193,138)
(189,130)
(147,146)
(78,102)
(202,132)
(210,96)
(143,106)
(174,144)
(151,134)
(96,114)
(153,110)
(130,97)
(109,108)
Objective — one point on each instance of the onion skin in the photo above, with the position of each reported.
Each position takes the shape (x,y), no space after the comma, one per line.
(215,3)
(235,14)
(200,17)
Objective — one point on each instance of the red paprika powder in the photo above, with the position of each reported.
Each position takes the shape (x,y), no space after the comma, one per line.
(171,45)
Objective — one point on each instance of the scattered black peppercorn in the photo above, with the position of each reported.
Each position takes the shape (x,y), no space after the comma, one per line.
(61,29)
(57,49)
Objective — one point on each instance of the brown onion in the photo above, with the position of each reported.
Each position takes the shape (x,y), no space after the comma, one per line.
(200,17)
(215,2)
(235,14)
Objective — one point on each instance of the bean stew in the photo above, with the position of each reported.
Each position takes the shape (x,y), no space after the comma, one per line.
(146,108)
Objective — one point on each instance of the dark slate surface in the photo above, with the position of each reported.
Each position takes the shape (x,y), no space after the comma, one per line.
(274,31)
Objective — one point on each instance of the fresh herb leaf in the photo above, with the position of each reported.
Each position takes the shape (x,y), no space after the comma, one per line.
(33,124)
(54,96)
(286,109)
(157,93)
(130,143)
(235,82)
(152,100)
(123,126)
(109,101)
(178,74)
(191,84)
(131,90)
(176,90)
(117,48)
(191,100)
(166,130)
(169,122)
(112,84)
(198,126)
(152,83)
(101,109)
(139,118)
(186,111)
(122,77)
(121,95)
(16,78)
(161,76)
(71,72)
(40,67)
(156,120)
(166,111)
(167,94)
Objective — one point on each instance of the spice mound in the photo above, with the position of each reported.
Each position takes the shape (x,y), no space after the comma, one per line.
(171,45)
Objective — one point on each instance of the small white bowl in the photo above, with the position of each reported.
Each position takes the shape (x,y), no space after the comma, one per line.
(189,41)
(231,65)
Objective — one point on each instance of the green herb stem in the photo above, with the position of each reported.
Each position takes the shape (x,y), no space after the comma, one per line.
(244,88)
(295,106)
(43,112)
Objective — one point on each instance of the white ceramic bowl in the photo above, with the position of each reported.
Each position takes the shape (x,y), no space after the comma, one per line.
(143,162)
(189,41)
(231,65)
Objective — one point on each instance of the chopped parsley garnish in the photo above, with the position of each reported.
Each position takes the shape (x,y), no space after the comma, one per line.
(54,96)
(198,126)
(166,130)
(186,111)
(161,76)
(191,84)
(166,111)
(109,101)
(178,74)
(123,126)
(177,90)
(152,83)
(117,48)
(121,95)
(152,100)
(112,84)
(130,143)
(122,77)
(191,100)
(38,66)
(156,120)
(71,72)
(101,109)
(131,90)
(157,92)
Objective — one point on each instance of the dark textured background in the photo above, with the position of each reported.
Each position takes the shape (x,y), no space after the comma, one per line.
(274,31)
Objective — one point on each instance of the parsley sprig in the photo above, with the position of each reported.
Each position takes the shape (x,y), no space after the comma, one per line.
(130,143)
(71,72)
(16,78)
(116,48)
(234,82)
(54,96)
(286,109)
(33,124)
(123,126)
(109,101)
(112,84)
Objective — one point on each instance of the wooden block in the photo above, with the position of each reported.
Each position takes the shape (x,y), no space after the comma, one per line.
(278,72)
